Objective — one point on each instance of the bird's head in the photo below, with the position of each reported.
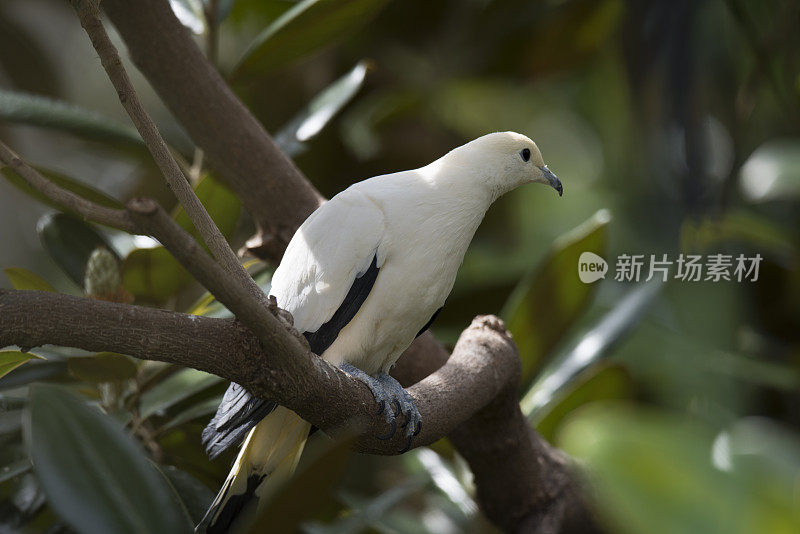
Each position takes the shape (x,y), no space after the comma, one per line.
(504,161)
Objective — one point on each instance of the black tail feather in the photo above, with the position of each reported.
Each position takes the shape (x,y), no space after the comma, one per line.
(231,510)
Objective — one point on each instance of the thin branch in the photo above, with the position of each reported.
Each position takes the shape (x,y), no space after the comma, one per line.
(270,186)
(115,218)
(89,15)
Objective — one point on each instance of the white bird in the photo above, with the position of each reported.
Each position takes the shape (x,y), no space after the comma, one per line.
(364,275)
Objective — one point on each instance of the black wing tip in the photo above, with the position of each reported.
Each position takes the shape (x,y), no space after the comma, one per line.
(216,441)
(227,428)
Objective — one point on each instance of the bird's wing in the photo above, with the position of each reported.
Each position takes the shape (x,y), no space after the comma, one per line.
(342,242)
(237,413)
(325,276)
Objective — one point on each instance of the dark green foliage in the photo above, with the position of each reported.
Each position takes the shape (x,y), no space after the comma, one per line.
(82,456)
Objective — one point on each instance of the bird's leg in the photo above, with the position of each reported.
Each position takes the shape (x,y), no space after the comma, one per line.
(405,404)
(382,397)
(392,401)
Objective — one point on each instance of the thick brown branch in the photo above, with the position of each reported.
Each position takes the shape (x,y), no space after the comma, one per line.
(272,189)
(321,393)
(89,15)
(89,210)
(523,484)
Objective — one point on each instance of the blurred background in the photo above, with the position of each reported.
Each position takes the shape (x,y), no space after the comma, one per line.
(675,129)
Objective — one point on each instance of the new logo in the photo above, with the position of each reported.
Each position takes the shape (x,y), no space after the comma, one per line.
(591,267)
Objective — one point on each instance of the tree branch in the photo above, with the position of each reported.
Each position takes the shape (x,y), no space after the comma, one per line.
(523,484)
(89,15)
(267,324)
(270,186)
(146,216)
(321,393)
(89,210)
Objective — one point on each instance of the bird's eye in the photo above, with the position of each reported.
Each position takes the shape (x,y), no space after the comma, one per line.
(525,154)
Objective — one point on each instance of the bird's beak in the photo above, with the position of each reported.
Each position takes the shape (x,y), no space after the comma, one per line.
(552,179)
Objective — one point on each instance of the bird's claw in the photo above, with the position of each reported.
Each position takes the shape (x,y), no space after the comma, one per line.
(388,392)
(391,431)
(405,405)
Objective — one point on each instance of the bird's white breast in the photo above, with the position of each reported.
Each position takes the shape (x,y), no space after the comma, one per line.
(427,231)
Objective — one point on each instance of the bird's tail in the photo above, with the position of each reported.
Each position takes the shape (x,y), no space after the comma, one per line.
(268,458)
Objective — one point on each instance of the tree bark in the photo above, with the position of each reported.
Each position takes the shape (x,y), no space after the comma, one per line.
(271,187)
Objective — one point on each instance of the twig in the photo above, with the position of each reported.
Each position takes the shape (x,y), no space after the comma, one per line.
(89,210)
(89,15)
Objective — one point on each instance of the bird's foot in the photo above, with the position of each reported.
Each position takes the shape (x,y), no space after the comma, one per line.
(406,406)
(392,401)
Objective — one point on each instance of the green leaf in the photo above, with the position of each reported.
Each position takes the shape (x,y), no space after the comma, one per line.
(193,494)
(444,477)
(102,367)
(79,188)
(551,298)
(308,26)
(741,227)
(366,513)
(21,108)
(221,203)
(153,274)
(309,122)
(653,472)
(606,382)
(175,389)
(95,476)
(308,491)
(207,305)
(24,279)
(10,424)
(69,241)
(758,447)
(11,403)
(7,472)
(201,409)
(33,372)
(11,359)
(553,383)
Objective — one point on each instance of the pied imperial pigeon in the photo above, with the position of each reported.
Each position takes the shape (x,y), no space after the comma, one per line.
(364,275)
